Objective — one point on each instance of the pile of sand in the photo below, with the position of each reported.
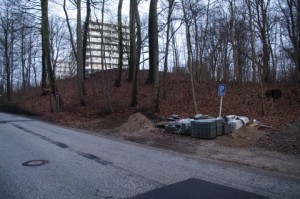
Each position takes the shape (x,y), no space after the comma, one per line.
(243,137)
(137,122)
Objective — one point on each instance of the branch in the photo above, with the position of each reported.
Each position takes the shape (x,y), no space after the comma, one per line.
(70,30)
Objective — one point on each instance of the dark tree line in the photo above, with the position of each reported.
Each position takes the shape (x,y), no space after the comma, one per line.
(221,40)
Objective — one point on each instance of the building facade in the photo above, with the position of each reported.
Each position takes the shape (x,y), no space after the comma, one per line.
(103,55)
(98,57)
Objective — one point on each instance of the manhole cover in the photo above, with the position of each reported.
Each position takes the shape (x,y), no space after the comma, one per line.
(33,163)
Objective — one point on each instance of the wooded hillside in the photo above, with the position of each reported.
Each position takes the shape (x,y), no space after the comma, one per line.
(239,100)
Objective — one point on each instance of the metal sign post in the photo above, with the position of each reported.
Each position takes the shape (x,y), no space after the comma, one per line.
(221,93)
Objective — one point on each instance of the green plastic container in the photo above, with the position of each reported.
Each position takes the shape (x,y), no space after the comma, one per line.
(225,128)
(219,122)
(206,129)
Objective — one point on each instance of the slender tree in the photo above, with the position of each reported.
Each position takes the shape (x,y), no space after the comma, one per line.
(261,8)
(137,56)
(85,34)
(46,46)
(233,39)
(132,52)
(120,45)
(44,68)
(80,56)
(291,13)
(190,54)
(170,11)
(254,58)
(153,53)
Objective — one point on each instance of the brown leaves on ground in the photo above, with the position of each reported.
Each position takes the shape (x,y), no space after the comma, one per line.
(244,100)
(239,100)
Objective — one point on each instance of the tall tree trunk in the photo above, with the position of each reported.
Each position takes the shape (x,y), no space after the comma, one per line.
(136,65)
(80,56)
(254,56)
(261,9)
(23,59)
(132,39)
(44,68)
(85,33)
(7,65)
(175,51)
(233,39)
(171,3)
(153,53)
(45,32)
(298,43)
(12,60)
(29,62)
(105,80)
(226,72)
(120,45)
(190,55)
(69,28)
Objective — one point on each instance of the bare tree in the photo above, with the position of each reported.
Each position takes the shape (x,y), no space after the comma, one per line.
(291,24)
(170,11)
(190,54)
(153,76)
(57,37)
(46,46)
(120,45)
(80,55)
(261,8)
(85,34)
(137,56)
(5,42)
(254,57)
(132,22)
(233,39)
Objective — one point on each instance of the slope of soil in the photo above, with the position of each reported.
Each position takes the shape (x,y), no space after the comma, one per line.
(248,145)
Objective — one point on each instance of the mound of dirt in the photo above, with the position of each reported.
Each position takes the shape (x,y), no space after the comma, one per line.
(137,122)
(243,137)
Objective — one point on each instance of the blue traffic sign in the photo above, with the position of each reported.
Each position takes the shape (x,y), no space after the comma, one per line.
(222,90)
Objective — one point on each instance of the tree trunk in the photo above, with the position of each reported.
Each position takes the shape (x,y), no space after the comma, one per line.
(105,80)
(298,44)
(7,65)
(254,56)
(190,55)
(44,68)
(45,32)
(69,28)
(23,60)
(171,3)
(233,39)
(262,21)
(85,32)
(79,55)
(120,45)
(153,53)
(132,39)
(134,100)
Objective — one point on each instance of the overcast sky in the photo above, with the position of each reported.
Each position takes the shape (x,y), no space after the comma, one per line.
(111,9)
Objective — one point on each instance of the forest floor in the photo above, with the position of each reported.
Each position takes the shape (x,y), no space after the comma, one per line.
(275,148)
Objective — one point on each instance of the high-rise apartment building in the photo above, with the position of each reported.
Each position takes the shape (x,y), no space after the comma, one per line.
(107,53)
(95,50)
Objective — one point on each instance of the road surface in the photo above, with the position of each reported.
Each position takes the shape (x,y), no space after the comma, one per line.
(42,160)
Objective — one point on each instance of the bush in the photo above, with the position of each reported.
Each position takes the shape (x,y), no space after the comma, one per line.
(12,108)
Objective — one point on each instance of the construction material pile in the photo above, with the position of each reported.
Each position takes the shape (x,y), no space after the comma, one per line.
(205,126)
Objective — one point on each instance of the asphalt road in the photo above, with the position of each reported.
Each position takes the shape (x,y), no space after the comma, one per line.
(84,165)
